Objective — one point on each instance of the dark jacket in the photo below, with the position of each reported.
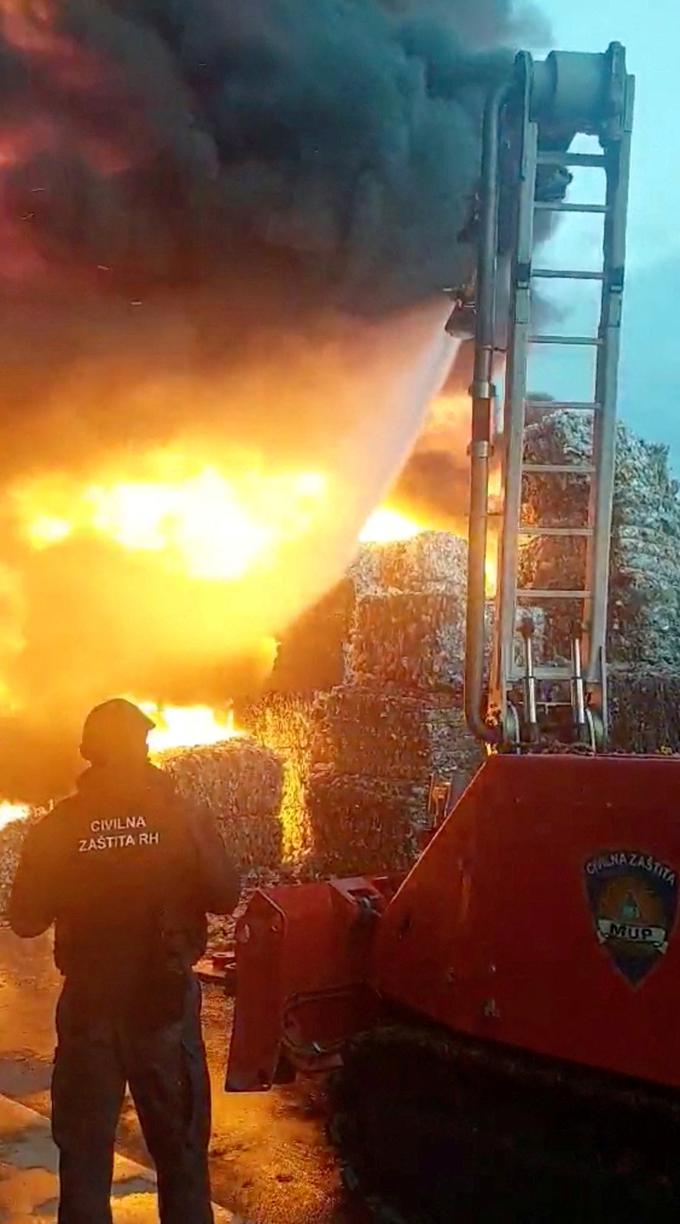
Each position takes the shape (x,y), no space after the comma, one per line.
(127,872)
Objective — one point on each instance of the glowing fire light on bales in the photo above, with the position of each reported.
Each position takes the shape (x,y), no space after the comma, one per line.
(386,525)
(187,726)
(11,812)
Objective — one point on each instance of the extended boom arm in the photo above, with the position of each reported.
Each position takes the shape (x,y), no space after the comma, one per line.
(529,125)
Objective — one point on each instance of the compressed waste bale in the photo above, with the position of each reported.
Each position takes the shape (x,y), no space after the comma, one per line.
(409,641)
(364,824)
(286,724)
(434,560)
(369,685)
(555,501)
(389,735)
(408,631)
(328,645)
(241,783)
(644,609)
(645,602)
(12,837)
(644,708)
(369,736)
(312,653)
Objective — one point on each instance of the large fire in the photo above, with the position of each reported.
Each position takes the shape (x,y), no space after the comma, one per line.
(207,525)
(202,523)
(196,521)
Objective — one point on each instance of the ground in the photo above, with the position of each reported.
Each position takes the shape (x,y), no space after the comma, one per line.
(269,1159)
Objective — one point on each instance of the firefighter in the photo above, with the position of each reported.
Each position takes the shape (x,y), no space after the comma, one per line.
(127,873)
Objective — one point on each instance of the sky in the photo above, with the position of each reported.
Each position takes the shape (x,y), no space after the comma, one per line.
(649,393)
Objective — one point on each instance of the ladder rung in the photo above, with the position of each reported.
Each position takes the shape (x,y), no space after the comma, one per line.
(554,705)
(553,671)
(526,593)
(567,274)
(560,469)
(548,158)
(563,405)
(545,673)
(530,593)
(563,207)
(556,532)
(591,341)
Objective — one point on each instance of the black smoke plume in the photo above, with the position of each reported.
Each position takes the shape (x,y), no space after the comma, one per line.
(225,224)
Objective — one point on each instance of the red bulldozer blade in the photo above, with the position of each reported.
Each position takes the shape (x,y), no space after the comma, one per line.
(304,958)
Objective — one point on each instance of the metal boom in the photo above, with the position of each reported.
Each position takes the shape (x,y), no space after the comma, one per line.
(529,124)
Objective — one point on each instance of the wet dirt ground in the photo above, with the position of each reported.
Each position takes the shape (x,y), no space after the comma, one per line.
(270,1162)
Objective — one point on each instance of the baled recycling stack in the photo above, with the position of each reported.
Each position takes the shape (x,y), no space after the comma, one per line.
(241,783)
(365,706)
(11,840)
(644,606)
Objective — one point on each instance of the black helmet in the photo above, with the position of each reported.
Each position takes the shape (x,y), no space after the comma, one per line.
(113,728)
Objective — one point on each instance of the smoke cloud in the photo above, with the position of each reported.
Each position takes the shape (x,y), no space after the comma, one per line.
(227,227)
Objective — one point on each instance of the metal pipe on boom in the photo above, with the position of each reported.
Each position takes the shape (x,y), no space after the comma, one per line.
(483,394)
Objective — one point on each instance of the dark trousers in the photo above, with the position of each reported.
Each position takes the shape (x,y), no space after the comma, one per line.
(101,1049)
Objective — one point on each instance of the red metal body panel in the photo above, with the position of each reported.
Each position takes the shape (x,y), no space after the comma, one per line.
(303,956)
(493,932)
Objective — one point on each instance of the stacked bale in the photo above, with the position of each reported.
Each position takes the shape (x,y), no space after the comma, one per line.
(399,736)
(397,620)
(311,657)
(408,629)
(644,605)
(644,710)
(556,501)
(11,840)
(365,705)
(375,755)
(241,783)
(285,723)
(364,825)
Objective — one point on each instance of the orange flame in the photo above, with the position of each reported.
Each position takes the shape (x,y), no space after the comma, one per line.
(206,525)
(386,525)
(187,726)
(10,813)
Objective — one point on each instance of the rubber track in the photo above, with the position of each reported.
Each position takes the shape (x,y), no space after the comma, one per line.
(433,1129)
